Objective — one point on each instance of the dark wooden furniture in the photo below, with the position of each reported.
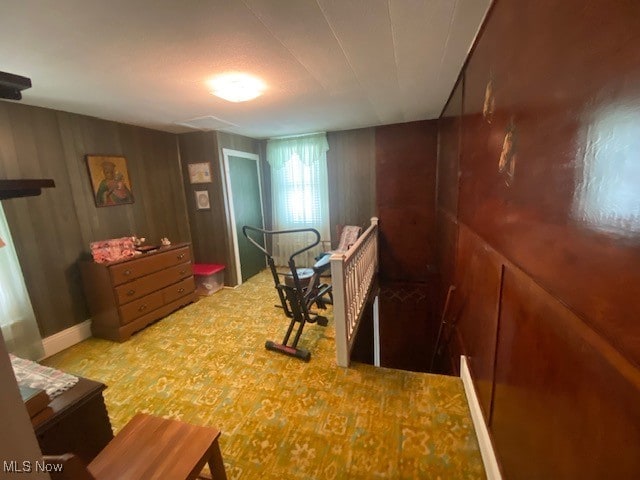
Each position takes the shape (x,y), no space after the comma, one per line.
(151,447)
(78,422)
(127,295)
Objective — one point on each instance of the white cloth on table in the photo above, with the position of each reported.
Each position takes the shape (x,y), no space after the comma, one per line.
(34,375)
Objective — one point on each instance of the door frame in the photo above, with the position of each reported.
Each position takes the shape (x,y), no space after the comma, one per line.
(226,153)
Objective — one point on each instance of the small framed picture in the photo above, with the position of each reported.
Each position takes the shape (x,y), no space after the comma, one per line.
(202,200)
(110,180)
(200,172)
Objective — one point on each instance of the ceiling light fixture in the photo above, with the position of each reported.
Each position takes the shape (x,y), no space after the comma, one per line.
(236,87)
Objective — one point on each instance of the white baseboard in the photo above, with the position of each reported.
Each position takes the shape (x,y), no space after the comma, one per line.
(482,432)
(376,331)
(66,338)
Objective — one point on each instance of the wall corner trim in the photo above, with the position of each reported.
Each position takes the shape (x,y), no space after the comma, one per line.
(66,338)
(482,432)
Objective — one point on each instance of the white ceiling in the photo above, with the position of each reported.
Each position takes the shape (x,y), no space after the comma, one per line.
(328,64)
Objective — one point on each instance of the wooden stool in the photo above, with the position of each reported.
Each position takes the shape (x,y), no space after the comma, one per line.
(156,448)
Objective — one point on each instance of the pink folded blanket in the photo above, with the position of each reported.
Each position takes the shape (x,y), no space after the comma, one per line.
(114,249)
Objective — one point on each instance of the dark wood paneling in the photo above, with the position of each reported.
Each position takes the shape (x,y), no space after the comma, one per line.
(407,327)
(352,173)
(208,227)
(36,150)
(446,249)
(474,310)
(160,190)
(564,216)
(404,253)
(449,362)
(553,92)
(405,196)
(449,137)
(52,231)
(566,402)
(405,191)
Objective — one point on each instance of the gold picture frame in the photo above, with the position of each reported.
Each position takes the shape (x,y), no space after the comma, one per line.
(110,180)
(199,172)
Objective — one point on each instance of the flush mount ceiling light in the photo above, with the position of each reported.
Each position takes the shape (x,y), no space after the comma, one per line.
(236,87)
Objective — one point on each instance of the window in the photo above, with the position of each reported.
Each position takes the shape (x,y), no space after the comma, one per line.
(300,197)
(301,192)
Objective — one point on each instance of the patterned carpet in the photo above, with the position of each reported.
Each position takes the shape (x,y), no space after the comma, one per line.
(280,417)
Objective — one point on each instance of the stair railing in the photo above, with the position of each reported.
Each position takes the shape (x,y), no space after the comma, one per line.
(353,274)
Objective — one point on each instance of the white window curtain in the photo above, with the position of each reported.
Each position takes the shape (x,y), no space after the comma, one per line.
(17,320)
(300,194)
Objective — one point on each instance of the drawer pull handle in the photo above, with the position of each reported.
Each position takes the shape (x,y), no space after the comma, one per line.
(131,292)
(127,272)
(180,290)
(142,307)
(181,256)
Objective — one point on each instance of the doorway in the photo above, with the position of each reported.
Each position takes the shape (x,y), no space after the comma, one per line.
(242,171)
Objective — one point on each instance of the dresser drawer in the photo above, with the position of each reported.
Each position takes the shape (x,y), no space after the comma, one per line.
(178,290)
(141,266)
(142,306)
(143,286)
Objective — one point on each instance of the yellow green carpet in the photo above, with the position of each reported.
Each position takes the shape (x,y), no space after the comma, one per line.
(280,417)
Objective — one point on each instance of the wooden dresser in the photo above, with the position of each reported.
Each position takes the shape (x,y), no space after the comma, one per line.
(127,295)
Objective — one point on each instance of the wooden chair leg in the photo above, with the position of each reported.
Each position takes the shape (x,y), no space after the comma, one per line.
(216,464)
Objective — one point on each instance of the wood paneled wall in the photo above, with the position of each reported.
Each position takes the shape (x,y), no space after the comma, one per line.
(405,191)
(211,230)
(539,229)
(52,231)
(352,172)
(407,324)
(208,227)
(448,167)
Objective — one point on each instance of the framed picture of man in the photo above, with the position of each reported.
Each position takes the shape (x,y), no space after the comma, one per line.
(110,180)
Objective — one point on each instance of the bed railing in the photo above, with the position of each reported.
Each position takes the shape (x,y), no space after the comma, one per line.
(352,274)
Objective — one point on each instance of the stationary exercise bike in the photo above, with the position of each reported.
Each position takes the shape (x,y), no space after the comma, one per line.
(296,296)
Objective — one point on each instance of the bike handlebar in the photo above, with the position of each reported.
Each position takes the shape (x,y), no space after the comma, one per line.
(246,228)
